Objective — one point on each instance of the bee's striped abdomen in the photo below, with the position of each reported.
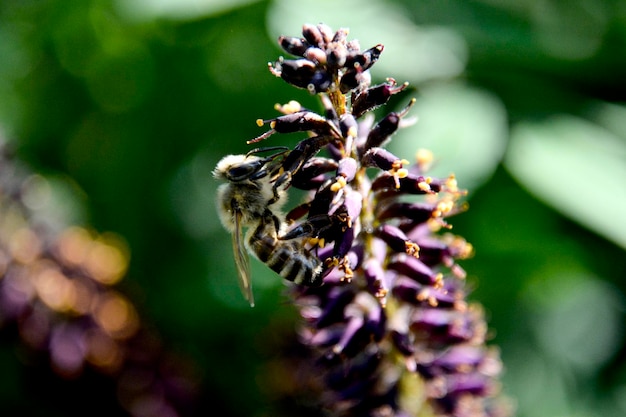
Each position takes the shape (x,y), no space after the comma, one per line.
(286,257)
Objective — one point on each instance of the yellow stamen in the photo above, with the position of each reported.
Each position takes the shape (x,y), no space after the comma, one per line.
(331,263)
(423,185)
(424,158)
(381,293)
(289,108)
(451,184)
(344,265)
(444,207)
(340,182)
(438,281)
(412,249)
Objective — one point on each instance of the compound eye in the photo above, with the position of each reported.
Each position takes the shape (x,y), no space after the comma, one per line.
(244,171)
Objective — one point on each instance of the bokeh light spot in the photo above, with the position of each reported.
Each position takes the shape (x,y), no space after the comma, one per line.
(116,316)
(24,245)
(105,263)
(73,245)
(103,352)
(55,289)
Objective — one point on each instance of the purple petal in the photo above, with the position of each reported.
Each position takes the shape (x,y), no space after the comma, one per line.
(415,269)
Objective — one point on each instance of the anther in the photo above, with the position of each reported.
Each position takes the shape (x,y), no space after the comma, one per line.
(288,108)
(339,183)
(412,249)
(424,159)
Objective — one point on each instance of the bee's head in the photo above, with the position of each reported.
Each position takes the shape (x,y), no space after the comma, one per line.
(235,168)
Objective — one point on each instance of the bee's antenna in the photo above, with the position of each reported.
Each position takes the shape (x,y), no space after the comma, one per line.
(267,149)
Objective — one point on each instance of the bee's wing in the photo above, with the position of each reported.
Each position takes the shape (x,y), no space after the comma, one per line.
(242,261)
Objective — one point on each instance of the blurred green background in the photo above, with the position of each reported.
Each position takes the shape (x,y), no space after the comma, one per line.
(126,106)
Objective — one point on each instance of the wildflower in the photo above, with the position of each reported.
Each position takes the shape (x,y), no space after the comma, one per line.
(390,329)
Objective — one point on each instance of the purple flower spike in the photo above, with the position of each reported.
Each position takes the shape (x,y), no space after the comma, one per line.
(347,168)
(415,213)
(374,97)
(415,293)
(375,278)
(415,269)
(393,305)
(314,35)
(381,133)
(329,63)
(389,185)
(302,73)
(294,46)
(397,240)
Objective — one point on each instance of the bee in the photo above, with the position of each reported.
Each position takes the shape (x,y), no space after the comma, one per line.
(251,198)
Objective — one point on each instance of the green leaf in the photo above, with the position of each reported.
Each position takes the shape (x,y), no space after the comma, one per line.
(176,9)
(576,167)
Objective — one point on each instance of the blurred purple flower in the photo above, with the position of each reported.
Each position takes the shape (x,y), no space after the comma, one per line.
(58,296)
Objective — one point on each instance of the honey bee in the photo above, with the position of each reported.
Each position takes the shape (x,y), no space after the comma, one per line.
(251,198)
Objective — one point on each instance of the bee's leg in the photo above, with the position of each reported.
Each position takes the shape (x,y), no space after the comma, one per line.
(270,224)
(283,179)
(312,227)
(304,151)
